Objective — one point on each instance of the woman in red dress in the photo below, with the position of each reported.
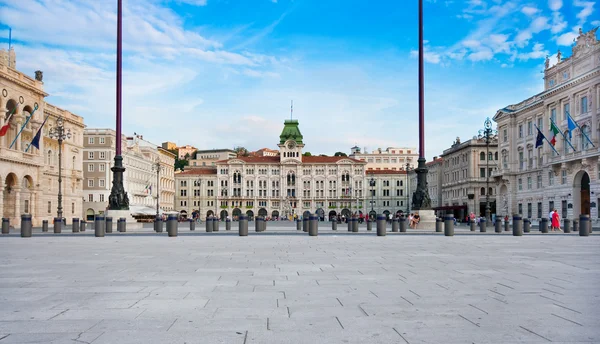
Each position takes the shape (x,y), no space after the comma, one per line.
(555,221)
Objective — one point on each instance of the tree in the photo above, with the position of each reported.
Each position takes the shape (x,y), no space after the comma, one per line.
(179,164)
(322,155)
(340,154)
(306,154)
(241,151)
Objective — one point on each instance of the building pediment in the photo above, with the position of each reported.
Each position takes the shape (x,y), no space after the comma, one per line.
(290,162)
(236,161)
(345,162)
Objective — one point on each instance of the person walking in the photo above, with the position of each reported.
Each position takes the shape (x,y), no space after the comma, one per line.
(556,221)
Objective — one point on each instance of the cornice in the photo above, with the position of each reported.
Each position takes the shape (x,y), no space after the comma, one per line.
(570,83)
(25,85)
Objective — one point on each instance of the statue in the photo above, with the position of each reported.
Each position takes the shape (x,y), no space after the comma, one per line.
(505,204)
(580,32)
(547,64)
(558,56)
(39,75)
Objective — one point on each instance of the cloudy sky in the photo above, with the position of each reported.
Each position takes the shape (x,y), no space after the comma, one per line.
(222,73)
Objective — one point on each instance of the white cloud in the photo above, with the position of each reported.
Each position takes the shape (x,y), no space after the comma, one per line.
(193,2)
(523,37)
(586,11)
(566,39)
(596,23)
(539,24)
(484,54)
(555,5)
(537,53)
(558,23)
(530,11)
(498,43)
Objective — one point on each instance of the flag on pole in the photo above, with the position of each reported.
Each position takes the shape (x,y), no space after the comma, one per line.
(36,139)
(554,131)
(6,125)
(539,140)
(571,124)
(24,125)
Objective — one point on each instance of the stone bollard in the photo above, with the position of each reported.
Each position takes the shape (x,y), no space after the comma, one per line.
(172,225)
(313,226)
(544,225)
(209,226)
(517,225)
(526,226)
(158,227)
(369,224)
(333,224)
(264,224)
(99,229)
(257,225)
(227,224)
(567,225)
(395,225)
(45,225)
(119,225)
(507,226)
(123,225)
(216,224)
(354,224)
(26,227)
(482,225)
(5,225)
(82,225)
(243,225)
(192,225)
(575,226)
(305,224)
(584,225)
(498,225)
(349,223)
(439,223)
(473,225)
(75,225)
(298,224)
(109,224)
(381,224)
(403,224)
(449,225)
(57,225)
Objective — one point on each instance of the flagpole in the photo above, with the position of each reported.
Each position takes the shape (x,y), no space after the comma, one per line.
(582,133)
(44,122)
(23,127)
(563,135)
(545,138)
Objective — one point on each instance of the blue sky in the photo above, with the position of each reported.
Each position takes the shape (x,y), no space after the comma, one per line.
(222,73)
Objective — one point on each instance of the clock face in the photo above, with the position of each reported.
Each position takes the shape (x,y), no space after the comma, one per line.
(291,145)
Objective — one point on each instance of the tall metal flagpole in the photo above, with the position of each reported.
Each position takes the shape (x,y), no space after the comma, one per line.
(118,199)
(421,199)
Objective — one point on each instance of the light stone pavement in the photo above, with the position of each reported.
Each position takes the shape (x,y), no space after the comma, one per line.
(278,288)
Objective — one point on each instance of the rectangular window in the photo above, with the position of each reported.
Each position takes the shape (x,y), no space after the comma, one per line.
(529,210)
(520,185)
(91,140)
(90,197)
(90,167)
(528,183)
(102,168)
(505,135)
(102,155)
(101,197)
(101,183)
(482,172)
(101,140)
(72,208)
(49,207)
(90,183)
(520,130)
(550,178)
(564,209)
(550,207)
(90,155)
(539,181)
(539,210)
(566,110)
(521,208)
(529,128)
(553,115)
(540,124)
(584,105)
(563,179)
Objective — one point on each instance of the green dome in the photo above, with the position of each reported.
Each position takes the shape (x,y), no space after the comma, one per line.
(290,131)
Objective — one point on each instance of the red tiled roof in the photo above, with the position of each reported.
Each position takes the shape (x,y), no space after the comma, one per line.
(198,171)
(384,172)
(327,159)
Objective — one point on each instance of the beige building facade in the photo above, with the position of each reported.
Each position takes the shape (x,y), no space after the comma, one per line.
(392,158)
(205,158)
(530,180)
(196,192)
(30,176)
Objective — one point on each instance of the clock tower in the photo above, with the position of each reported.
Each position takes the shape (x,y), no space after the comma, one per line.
(290,142)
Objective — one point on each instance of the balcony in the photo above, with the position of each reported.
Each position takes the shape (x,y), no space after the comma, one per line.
(16,156)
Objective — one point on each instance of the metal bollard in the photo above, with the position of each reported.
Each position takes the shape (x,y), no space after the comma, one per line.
(243,225)
(403,224)
(313,229)
(45,225)
(482,225)
(82,225)
(99,229)
(216,222)
(507,226)
(544,225)
(75,225)
(108,223)
(449,225)
(257,226)
(158,227)
(517,225)
(119,225)
(439,222)
(305,224)
(227,224)
(395,225)
(473,225)
(172,225)
(575,226)
(298,224)
(381,224)
(264,224)
(349,223)
(193,225)
(123,225)
(567,225)
(209,226)
(584,225)
(5,225)
(333,224)
(354,224)
(369,224)
(526,226)
(498,225)
(26,227)
(57,225)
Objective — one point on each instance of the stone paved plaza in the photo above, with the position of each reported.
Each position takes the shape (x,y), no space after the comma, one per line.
(344,288)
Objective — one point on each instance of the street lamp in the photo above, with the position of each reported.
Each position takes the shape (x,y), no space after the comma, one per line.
(157,167)
(408,169)
(372,184)
(472,196)
(60,133)
(488,134)
(199,185)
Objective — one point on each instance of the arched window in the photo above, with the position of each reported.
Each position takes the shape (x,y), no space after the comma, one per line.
(585,134)
(490,156)
(49,158)
(482,156)
(490,191)
(482,192)
(566,145)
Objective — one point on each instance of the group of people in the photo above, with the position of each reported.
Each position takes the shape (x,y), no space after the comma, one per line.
(413,220)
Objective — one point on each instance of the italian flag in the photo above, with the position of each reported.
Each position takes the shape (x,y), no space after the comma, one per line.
(554,132)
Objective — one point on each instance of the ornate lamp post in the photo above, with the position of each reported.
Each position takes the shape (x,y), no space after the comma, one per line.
(60,133)
(199,185)
(408,169)
(157,167)
(488,134)
(372,184)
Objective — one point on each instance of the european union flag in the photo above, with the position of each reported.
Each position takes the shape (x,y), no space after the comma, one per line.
(539,140)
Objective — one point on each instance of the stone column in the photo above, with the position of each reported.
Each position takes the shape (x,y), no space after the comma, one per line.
(17,145)
(1,199)
(17,210)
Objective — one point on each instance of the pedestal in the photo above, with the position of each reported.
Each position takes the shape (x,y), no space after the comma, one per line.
(131,222)
(428,219)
